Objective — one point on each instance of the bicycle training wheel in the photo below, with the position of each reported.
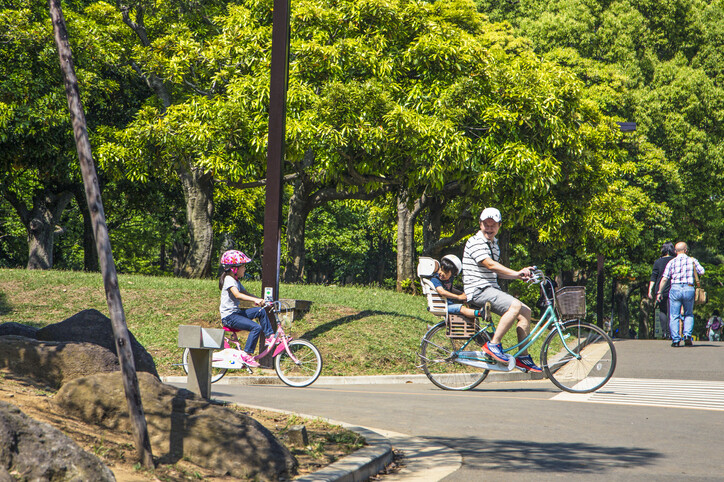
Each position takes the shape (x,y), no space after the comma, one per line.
(580,362)
(437,353)
(216,373)
(303,372)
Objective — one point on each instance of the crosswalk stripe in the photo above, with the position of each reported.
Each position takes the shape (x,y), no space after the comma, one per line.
(694,394)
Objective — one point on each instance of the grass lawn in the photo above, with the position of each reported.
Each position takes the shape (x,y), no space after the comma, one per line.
(359,330)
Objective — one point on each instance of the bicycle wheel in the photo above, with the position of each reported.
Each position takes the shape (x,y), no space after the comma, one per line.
(303,372)
(580,362)
(438,361)
(216,373)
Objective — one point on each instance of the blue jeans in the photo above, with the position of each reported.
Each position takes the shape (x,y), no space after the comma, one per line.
(244,320)
(453,308)
(681,295)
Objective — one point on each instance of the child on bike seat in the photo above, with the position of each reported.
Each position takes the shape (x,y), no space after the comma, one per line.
(450,266)
(232,291)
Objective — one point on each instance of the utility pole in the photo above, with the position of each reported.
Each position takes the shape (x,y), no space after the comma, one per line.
(275,151)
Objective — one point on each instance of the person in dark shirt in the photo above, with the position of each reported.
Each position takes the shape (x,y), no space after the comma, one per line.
(667,254)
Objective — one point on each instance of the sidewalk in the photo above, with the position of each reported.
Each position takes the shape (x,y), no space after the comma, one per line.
(422,460)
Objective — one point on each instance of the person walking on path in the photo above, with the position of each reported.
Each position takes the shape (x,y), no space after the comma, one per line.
(714,326)
(680,272)
(481,268)
(667,254)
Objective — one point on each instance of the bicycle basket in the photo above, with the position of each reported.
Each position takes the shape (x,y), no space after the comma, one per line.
(571,301)
(461,327)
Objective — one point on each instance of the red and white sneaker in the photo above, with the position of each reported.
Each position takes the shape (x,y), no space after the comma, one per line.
(526,364)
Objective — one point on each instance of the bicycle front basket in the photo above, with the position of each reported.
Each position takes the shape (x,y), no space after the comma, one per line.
(571,302)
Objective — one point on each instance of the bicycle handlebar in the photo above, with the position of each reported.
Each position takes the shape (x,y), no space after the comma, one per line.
(536,276)
(276,306)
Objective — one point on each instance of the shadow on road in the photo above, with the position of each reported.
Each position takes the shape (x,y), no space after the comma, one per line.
(515,455)
(528,389)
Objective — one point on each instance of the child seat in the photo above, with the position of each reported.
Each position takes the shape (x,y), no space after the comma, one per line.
(458,326)
(436,304)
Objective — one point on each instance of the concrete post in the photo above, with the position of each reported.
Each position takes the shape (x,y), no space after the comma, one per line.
(201,343)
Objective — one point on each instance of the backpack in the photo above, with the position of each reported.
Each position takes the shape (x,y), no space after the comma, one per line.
(716,324)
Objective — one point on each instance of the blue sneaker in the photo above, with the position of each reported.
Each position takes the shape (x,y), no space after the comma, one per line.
(526,364)
(496,351)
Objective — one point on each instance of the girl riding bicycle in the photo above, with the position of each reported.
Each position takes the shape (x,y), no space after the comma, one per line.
(232,291)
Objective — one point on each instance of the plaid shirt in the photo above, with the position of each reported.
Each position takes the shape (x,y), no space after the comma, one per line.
(680,270)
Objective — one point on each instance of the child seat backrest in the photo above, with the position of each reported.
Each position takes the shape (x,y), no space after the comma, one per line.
(427,266)
(436,304)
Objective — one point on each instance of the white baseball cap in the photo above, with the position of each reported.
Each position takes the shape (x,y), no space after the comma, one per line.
(491,213)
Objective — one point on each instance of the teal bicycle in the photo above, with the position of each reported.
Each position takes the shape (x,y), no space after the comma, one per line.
(576,356)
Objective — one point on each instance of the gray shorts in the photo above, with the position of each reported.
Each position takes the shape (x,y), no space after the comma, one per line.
(500,301)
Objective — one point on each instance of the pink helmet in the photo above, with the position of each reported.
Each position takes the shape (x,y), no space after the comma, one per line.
(233,258)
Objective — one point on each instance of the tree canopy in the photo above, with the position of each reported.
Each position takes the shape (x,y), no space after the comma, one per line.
(404,119)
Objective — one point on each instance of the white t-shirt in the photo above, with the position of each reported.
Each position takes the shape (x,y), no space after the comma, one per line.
(229,303)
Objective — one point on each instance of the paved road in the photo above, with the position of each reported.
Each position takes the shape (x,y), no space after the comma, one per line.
(661,417)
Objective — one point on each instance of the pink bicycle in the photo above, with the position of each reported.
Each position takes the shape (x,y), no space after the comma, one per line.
(297,362)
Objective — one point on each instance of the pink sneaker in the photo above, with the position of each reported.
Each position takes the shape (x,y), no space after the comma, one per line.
(270,340)
(248,359)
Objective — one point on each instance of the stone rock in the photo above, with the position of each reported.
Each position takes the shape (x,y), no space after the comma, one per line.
(180,425)
(54,363)
(92,326)
(298,435)
(31,450)
(18,329)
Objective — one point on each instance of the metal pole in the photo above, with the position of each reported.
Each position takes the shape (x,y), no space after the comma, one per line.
(275,151)
(275,157)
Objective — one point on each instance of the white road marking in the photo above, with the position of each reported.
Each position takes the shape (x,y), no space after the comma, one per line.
(693,394)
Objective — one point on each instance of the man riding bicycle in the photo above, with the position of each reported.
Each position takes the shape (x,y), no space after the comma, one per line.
(481,269)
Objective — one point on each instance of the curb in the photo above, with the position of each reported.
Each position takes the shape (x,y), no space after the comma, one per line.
(423,461)
(358,466)
(516,376)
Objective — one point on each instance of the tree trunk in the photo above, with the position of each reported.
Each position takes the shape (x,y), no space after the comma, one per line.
(299,209)
(405,239)
(645,320)
(40,224)
(300,205)
(41,228)
(432,229)
(198,192)
(90,253)
(103,243)
(504,243)
(600,282)
(622,311)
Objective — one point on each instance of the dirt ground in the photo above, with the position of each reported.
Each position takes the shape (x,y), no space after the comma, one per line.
(327,443)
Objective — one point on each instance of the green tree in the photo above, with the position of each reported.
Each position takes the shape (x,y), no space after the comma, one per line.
(38,172)
(656,64)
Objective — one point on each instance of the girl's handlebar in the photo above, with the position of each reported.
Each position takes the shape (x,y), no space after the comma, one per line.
(276,306)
